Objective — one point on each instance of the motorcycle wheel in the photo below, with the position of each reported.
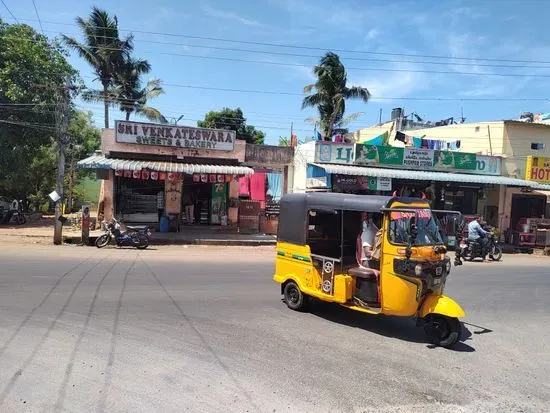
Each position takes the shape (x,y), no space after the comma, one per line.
(102,241)
(496,253)
(467,255)
(20,219)
(143,243)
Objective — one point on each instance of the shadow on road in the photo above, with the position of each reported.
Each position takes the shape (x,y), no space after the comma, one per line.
(401,328)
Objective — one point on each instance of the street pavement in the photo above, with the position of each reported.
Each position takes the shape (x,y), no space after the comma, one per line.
(203,329)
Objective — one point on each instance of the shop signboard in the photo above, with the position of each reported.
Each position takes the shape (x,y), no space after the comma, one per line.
(488,165)
(350,183)
(418,158)
(148,134)
(426,159)
(379,155)
(538,169)
(330,152)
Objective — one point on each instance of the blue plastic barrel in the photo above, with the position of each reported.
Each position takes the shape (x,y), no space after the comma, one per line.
(164,224)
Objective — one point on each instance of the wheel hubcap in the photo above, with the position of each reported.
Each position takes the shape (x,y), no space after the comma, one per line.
(440,329)
(293,295)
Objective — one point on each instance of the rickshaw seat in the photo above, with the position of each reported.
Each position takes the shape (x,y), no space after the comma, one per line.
(366,273)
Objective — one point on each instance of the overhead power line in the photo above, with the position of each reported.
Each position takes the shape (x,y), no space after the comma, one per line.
(38,17)
(304,47)
(275,53)
(9,11)
(367,69)
(270,92)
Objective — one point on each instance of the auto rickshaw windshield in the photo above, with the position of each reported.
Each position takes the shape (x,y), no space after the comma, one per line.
(401,228)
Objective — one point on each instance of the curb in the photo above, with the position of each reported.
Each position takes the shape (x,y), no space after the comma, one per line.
(197,241)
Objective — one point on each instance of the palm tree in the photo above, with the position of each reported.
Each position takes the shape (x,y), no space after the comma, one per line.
(331,93)
(129,94)
(102,49)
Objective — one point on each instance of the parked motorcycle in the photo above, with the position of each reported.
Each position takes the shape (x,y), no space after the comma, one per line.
(13,214)
(138,237)
(470,250)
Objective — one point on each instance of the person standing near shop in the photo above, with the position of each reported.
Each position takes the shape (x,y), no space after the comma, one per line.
(160,204)
(189,205)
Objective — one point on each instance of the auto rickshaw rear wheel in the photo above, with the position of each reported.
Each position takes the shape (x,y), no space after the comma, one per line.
(294,298)
(443,331)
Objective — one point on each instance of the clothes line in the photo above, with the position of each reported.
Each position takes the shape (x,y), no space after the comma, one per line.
(424,143)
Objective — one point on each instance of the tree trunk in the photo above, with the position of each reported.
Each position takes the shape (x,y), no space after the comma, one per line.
(106,103)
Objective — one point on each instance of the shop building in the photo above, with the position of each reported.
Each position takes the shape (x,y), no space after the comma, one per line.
(267,185)
(184,172)
(511,141)
(451,180)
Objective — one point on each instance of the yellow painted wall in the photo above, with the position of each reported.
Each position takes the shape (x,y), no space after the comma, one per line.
(518,139)
(366,134)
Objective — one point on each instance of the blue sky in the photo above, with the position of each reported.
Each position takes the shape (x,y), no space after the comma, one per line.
(368,30)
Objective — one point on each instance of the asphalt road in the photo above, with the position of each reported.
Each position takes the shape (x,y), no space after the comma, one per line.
(204,330)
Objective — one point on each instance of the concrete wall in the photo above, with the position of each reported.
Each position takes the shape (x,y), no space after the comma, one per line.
(478,137)
(366,134)
(108,145)
(304,154)
(517,141)
(267,155)
(172,196)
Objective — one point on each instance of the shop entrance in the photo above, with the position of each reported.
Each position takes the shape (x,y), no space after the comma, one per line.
(527,206)
(204,200)
(136,199)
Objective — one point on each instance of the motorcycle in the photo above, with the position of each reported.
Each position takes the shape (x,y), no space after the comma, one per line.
(138,237)
(470,250)
(15,214)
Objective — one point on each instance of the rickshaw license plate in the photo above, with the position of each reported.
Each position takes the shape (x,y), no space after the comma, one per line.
(437,281)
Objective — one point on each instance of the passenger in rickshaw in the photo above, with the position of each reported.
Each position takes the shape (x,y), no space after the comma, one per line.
(366,241)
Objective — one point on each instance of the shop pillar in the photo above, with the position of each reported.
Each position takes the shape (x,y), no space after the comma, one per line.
(172,196)
(108,200)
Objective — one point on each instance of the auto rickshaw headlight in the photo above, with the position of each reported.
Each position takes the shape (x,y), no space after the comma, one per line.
(418,270)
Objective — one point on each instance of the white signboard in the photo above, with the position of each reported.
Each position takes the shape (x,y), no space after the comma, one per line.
(488,165)
(383,184)
(418,158)
(329,152)
(320,182)
(174,136)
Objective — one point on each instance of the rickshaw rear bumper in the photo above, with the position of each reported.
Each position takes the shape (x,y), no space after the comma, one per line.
(440,304)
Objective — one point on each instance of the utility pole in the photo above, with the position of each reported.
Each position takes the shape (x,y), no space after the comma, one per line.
(62,126)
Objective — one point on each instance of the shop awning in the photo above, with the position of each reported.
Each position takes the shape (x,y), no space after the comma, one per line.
(101,162)
(424,175)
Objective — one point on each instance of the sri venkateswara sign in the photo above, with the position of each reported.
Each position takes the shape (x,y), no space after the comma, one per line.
(174,136)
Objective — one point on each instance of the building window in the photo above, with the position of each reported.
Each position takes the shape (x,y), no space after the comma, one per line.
(477,128)
(537,146)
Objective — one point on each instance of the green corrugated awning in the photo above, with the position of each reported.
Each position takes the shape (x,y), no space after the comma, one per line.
(427,175)
(101,162)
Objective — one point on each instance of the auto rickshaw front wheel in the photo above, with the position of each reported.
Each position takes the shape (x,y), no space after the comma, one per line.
(294,298)
(442,330)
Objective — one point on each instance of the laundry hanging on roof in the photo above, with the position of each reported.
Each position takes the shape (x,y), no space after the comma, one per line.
(400,136)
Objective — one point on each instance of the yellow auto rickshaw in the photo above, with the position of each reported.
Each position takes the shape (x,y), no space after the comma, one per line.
(322,254)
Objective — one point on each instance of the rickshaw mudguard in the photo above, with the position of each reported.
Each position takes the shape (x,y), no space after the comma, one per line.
(440,304)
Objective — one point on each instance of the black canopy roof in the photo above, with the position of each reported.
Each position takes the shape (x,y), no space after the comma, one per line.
(294,209)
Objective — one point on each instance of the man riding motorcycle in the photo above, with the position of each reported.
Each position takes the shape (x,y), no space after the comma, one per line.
(477,234)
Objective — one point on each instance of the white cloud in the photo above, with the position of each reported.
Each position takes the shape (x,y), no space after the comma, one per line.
(372,34)
(227,15)
(393,84)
